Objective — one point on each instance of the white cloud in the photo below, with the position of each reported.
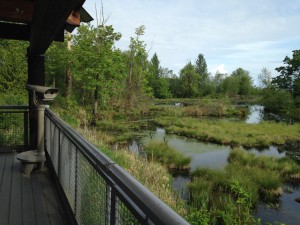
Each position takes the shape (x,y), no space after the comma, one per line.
(220,68)
(236,33)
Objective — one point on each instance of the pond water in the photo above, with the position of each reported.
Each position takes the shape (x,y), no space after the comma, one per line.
(256,114)
(208,155)
(205,155)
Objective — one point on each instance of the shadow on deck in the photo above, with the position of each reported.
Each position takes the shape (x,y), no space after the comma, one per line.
(27,200)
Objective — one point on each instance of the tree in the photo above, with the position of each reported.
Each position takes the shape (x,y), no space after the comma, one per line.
(279,101)
(157,78)
(201,70)
(289,77)
(154,74)
(97,65)
(218,80)
(265,78)
(175,86)
(56,59)
(13,66)
(136,83)
(230,85)
(245,83)
(13,70)
(189,81)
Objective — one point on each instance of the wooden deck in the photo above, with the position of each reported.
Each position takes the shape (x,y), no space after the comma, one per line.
(27,200)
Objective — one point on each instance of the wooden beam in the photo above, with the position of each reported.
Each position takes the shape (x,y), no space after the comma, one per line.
(16,10)
(14,31)
(49,18)
(21,32)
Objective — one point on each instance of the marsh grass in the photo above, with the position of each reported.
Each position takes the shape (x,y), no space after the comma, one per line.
(232,132)
(285,168)
(150,173)
(168,156)
(231,194)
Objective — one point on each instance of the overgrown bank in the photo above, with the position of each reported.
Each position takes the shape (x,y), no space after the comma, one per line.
(232,132)
(229,196)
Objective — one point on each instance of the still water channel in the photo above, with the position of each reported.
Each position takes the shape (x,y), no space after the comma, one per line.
(213,156)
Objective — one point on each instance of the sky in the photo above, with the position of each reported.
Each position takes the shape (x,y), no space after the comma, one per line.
(229,33)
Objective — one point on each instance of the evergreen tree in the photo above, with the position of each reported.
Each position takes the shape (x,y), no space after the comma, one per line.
(201,70)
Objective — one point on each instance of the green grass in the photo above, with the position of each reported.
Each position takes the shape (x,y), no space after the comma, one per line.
(150,173)
(229,196)
(172,159)
(232,132)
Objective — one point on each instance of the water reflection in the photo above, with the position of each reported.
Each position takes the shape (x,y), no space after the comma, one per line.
(256,114)
(208,155)
(287,210)
(205,155)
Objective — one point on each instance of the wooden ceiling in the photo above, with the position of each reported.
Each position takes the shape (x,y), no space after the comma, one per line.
(40,21)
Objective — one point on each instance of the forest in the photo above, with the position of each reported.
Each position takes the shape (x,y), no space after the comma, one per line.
(91,72)
(111,96)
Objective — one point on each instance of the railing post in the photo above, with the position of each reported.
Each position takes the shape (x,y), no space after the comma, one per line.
(76,180)
(26,121)
(113,200)
(59,156)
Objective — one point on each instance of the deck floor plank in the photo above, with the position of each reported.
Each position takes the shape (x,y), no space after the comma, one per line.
(2,164)
(5,190)
(27,200)
(52,203)
(39,200)
(16,195)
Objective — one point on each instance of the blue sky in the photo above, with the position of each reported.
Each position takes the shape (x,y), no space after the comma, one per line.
(229,33)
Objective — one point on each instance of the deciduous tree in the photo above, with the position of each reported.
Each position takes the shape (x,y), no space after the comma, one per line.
(289,78)
(189,81)
(97,65)
(265,78)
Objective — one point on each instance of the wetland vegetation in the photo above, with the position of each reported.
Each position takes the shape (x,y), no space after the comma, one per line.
(112,96)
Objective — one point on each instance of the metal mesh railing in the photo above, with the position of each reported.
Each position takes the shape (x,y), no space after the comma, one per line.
(98,190)
(14,127)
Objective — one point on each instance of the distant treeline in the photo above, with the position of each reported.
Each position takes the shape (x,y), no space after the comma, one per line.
(90,71)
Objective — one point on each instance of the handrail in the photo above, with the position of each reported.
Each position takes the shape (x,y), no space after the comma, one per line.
(14,107)
(150,207)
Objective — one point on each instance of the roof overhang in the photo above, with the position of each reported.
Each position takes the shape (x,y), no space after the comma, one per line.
(40,21)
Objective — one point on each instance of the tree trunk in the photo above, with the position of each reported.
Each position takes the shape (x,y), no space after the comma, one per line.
(69,81)
(69,78)
(96,100)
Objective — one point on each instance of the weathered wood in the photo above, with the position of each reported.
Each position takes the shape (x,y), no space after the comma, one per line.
(16,10)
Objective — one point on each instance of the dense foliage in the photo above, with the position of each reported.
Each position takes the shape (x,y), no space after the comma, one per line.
(91,72)
(282,93)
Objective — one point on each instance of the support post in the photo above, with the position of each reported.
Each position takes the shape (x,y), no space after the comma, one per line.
(36,76)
